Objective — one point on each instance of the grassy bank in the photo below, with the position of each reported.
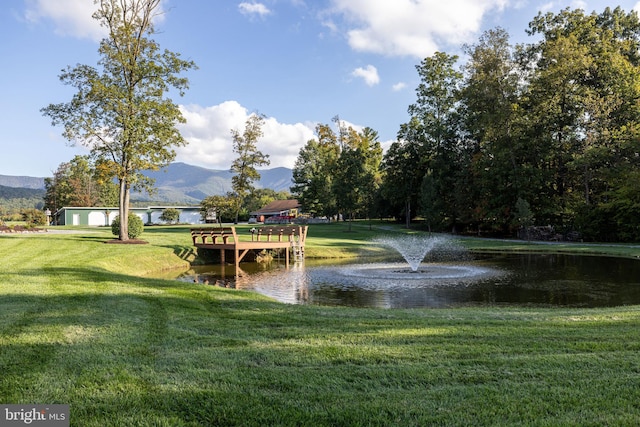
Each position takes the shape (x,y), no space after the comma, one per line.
(335,241)
(80,326)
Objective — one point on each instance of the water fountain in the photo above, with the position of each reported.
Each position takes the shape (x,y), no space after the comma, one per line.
(447,265)
(414,248)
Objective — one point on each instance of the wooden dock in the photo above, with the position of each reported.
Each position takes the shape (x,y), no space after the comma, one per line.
(290,238)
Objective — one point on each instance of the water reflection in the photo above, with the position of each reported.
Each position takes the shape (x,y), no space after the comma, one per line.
(496,279)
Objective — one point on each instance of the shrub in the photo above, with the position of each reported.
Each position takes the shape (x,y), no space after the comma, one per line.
(34,217)
(170,215)
(136,226)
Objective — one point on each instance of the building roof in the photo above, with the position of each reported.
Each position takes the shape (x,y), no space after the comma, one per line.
(277,206)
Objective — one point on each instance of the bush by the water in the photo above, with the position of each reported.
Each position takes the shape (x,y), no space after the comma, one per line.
(136,226)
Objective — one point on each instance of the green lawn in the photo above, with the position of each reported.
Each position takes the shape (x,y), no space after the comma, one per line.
(80,325)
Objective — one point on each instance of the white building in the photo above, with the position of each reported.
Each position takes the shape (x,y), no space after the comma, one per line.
(103,216)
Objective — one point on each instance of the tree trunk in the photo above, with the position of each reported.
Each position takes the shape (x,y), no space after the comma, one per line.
(237,208)
(124,210)
(408,213)
(587,176)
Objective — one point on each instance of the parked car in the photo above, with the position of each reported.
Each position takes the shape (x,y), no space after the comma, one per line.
(279,219)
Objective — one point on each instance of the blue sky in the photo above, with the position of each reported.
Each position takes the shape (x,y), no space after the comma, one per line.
(299,62)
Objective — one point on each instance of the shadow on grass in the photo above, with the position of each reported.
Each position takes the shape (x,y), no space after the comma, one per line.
(125,350)
(155,229)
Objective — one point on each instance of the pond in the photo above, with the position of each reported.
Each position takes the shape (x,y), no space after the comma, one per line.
(483,279)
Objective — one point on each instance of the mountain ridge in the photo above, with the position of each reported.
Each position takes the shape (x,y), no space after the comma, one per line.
(180,183)
(21,181)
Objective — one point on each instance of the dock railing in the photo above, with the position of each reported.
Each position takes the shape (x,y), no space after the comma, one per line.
(291,238)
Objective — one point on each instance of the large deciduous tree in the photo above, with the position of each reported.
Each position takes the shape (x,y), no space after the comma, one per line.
(402,171)
(314,172)
(120,110)
(249,158)
(372,157)
(490,100)
(429,142)
(357,173)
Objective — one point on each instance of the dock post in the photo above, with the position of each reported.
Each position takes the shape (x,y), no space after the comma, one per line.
(236,260)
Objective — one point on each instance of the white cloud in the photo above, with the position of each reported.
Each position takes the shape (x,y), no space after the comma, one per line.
(398,86)
(333,28)
(580,5)
(73,18)
(411,27)
(546,7)
(253,9)
(208,130)
(369,74)
(70,17)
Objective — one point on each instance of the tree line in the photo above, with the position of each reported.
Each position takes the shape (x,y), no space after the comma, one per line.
(542,133)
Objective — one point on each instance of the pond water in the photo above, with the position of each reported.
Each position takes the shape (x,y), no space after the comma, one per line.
(481,280)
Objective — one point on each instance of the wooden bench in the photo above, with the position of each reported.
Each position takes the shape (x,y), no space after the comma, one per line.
(216,235)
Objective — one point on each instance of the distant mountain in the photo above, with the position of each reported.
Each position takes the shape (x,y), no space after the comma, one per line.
(22,182)
(177,183)
(14,199)
(183,183)
(20,192)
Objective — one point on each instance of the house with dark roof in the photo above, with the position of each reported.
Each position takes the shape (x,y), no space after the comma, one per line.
(277,211)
